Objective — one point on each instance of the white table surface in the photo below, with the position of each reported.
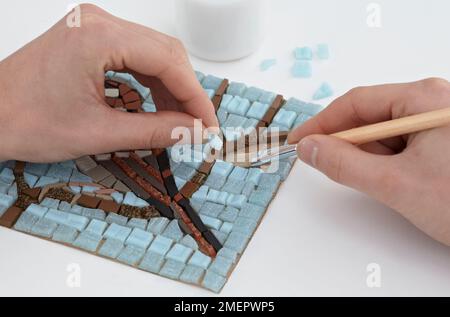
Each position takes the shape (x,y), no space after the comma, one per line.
(317,237)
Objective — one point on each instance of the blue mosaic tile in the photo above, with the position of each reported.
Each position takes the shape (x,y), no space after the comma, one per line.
(189,242)
(111,248)
(254,175)
(267,97)
(237,241)
(138,223)
(303,53)
(87,241)
(238,106)
(161,245)
(236,201)
(214,181)
(185,172)
(89,189)
(173,231)
(118,197)
(67,219)
(30,179)
(157,225)
(226,99)
(37,169)
(261,197)
(152,262)
(229,214)
(65,206)
(323,51)
(179,253)
(270,182)
(222,115)
(200,76)
(258,110)
(65,234)
(25,222)
(211,209)
(236,89)
(233,186)
(253,94)
(97,227)
(267,64)
(50,203)
(226,228)
(210,93)
(200,260)
(132,200)
(221,266)
(302,69)
(229,254)
(285,118)
(117,232)
(60,172)
(213,281)
(323,92)
(37,210)
(220,236)
(252,211)
(115,218)
(211,82)
(196,204)
(218,197)
(139,238)
(211,222)
(7,175)
(284,168)
(172,269)
(244,225)
(131,255)
(302,118)
(192,275)
(238,173)
(94,213)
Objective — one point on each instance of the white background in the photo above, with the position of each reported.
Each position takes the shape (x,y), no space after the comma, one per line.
(317,237)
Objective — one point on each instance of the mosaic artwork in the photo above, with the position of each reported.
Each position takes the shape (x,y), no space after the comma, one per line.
(185,220)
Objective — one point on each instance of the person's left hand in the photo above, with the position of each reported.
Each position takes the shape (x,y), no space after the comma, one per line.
(52,104)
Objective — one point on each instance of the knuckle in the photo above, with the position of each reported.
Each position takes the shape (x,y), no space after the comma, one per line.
(435,83)
(177,51)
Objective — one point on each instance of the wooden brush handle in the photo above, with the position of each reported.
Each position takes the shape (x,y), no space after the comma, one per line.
(397,127)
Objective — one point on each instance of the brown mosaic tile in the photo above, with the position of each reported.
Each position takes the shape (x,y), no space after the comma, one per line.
(10,217)
(109,206)
(88,201)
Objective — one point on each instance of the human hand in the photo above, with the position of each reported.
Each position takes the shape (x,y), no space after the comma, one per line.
(409,174)
(52,104)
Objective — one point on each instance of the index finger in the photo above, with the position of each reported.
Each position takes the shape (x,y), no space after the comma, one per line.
(360,106)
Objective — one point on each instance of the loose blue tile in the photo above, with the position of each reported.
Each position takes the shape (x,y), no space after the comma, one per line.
(139,238)
(161,245)
(131,255)
(117,232)
(157,225)
(192,275)
(221,266)
(302,69)
(200,260)
(65,234)
(152,262)
(87,241)
(303,53)
(213,281)
(323,51)
(323,92)
(172,269)
(179,253)
(111,248)
(267,64)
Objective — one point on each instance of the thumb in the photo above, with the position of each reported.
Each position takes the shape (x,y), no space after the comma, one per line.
(347,164)
(130,131)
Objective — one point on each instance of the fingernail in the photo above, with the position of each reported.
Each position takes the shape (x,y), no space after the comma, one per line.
(307,152)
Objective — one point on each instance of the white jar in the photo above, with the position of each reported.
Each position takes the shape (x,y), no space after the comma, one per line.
(221,30)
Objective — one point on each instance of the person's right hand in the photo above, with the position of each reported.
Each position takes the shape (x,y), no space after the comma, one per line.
(410,174)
